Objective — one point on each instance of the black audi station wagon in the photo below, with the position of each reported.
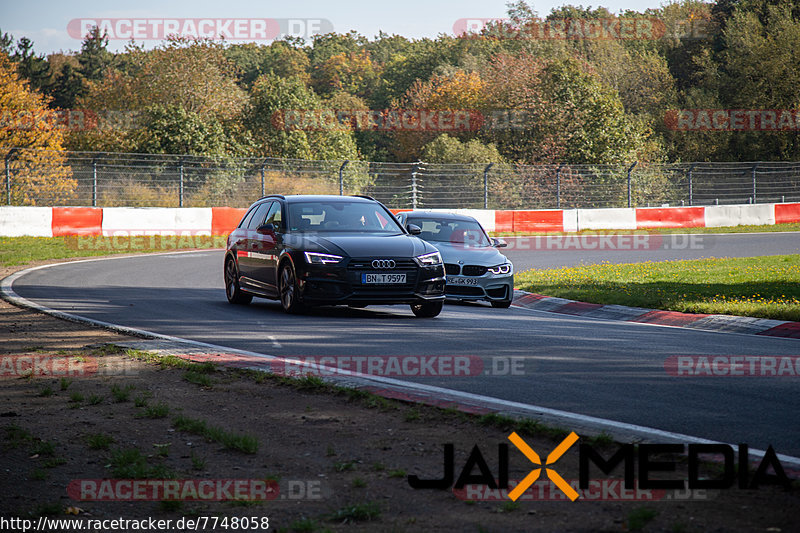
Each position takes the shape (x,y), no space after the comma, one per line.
(331,250)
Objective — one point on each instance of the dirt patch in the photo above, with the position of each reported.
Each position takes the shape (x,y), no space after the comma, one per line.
(339,460)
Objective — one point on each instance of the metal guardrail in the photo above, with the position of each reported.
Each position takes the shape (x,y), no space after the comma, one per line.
(39,177)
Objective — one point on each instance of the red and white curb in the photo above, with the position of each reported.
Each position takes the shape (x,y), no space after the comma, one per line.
(41,221)
(718,323)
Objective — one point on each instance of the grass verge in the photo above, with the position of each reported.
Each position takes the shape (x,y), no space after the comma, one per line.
(232,441)
(764,287)
(21,250)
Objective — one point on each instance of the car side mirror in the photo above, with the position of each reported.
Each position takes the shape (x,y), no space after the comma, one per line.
(266,229)
(413,229)
(499,243)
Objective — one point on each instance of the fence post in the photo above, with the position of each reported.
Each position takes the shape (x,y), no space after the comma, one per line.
(262,181)
(341,177)
(753,172)
(486,185)
(94,182)
(558,186)
(180,188)
(629,182)
(9,155)
(691,183)
(414,198)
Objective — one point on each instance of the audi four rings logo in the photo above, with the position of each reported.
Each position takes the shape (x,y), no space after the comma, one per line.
(383,263)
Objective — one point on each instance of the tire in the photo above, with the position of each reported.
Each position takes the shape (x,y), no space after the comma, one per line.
(288,290)
(427,309)
(501,304)
(232,290)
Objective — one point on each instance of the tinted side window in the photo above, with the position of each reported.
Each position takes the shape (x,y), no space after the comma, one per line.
(259,215)
(274,216)
(246,219)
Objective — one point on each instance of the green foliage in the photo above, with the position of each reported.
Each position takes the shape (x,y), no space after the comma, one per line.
(272,118)
(32,67)
(361,512)
(198,378)
(281,58)
(171,129)
(233,441)
(99,441)
(130,463)
(94,56)
(68,87)
(446,149)
(121,394)
(640,517)
(160,410)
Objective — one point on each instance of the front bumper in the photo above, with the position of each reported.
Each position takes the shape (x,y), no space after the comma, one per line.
(490,287)
(342,284)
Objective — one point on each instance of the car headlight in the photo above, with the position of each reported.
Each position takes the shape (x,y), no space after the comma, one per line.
(431,259)
(505,268)
(314,258)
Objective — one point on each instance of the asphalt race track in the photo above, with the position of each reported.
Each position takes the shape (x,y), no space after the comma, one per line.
(611,370)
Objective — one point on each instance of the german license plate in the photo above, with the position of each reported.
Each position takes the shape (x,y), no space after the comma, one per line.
(383,279)
(452,280)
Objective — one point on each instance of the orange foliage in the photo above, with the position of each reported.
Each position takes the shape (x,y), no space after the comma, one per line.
(38,171)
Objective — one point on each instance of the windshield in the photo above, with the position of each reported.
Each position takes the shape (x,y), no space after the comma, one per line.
(467,232)
(341,216)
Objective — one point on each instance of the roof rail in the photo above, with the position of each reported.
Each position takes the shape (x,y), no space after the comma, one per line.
(282,197)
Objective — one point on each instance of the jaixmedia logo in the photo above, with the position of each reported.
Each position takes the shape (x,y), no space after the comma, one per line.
(646,467)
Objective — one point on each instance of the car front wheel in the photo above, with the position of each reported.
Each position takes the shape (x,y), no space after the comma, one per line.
(289,291)
(502,304)
(232,290)
(427,309)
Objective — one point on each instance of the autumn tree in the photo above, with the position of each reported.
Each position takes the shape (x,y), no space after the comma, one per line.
(459,92)
(192,78)
(351,72)
(269,114)
(557,111)
(31,140)
(280,58)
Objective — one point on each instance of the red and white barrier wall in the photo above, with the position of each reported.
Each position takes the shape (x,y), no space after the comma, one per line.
(56,221)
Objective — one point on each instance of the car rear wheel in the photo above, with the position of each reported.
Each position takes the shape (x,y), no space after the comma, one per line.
(427,309)
(289,291)
(232,290)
